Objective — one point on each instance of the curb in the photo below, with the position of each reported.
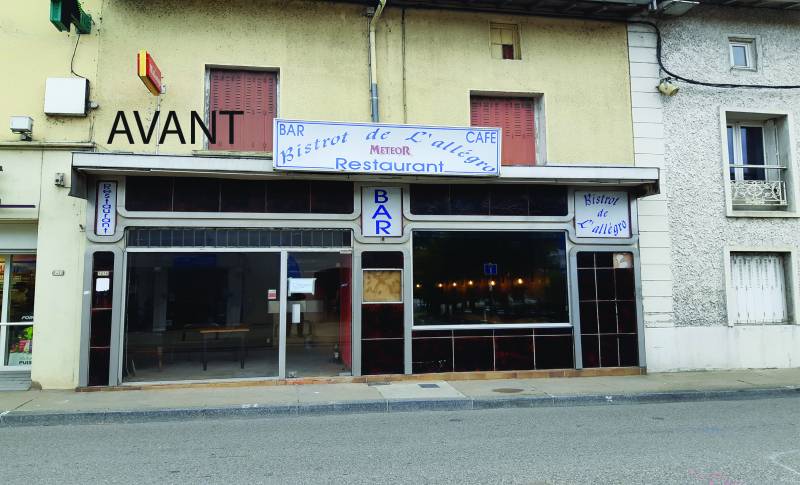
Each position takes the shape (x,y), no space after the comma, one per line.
(24,418)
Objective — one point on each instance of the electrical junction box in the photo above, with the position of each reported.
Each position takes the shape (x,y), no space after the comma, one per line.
(66,96)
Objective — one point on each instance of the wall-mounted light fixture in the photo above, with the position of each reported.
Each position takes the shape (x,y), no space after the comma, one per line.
(22,125)
(667,88)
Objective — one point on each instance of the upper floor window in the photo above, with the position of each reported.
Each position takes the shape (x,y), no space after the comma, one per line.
(253,92)
(516,117)
(756,163)
(742,53)
(505,41)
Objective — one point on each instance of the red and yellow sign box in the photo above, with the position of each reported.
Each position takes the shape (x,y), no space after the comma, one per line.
(149,72)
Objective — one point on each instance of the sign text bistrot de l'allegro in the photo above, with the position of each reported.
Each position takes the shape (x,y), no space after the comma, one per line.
(322,146)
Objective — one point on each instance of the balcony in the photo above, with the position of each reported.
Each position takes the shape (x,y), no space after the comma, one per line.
(758,186)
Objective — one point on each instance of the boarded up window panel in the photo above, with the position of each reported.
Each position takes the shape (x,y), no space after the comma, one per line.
(253,92)
(515,116)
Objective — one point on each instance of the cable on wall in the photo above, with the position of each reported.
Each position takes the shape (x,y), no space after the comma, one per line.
(694,81)
(72,61)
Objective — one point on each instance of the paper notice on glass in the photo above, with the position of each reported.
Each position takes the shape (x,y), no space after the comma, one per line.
(301,285)
(295,313)
(102,284)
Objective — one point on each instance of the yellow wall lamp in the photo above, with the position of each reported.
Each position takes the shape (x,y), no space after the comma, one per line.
(667,87)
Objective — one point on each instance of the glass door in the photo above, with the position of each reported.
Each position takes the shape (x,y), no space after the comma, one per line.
(318,318)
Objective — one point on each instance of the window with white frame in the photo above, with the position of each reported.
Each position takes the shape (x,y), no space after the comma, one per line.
(742,53)
(758,174)
(17,283)
(759,288)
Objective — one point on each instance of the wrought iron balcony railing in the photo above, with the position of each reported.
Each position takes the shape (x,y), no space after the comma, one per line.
(768,191)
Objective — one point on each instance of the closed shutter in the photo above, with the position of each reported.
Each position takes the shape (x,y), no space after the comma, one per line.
(253,92)
(515,116)
(759,288)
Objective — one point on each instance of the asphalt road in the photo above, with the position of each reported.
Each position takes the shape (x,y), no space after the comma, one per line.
(754,442)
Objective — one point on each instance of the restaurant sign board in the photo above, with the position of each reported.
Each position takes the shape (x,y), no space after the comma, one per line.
(372,148)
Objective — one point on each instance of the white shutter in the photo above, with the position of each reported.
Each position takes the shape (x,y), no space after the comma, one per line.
(771,156)
(759,287)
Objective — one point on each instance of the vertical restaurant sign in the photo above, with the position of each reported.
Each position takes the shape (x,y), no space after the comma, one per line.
(328,146)
(602,214)
(381,211)
(105,223)
(149,72)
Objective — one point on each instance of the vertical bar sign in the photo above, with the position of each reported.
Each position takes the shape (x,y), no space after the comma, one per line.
(105,223)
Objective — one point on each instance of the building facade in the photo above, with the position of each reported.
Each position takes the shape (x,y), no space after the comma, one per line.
(226,228)
(731,190)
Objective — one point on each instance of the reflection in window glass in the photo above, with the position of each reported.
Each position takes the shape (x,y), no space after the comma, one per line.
(463,278)
(21,290)
(753,151)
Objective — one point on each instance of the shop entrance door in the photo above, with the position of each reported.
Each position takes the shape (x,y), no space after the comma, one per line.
(318,320)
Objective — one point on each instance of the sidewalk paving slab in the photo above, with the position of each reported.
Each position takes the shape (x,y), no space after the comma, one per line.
(50,407)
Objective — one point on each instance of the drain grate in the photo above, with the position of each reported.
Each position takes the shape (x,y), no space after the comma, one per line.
(507,390)
(429,386)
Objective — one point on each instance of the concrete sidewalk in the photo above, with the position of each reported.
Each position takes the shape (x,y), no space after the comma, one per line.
(23,408)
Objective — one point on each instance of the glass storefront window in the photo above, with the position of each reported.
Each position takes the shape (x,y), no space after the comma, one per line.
(21,291)
(485,278)
(17,284)
(201,316)
(20,345)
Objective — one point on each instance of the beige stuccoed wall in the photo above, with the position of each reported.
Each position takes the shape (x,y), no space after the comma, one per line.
(580,68)
(61,245)
(33,50)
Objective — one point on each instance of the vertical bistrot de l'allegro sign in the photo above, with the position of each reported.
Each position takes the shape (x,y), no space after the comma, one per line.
(602,213)
(327,146)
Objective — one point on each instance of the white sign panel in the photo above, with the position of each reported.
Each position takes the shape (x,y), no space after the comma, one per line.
(323,146)
(381,211)
(301,285)
(602,214)
(106,209)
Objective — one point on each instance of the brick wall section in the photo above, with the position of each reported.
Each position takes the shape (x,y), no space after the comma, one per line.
(648,142)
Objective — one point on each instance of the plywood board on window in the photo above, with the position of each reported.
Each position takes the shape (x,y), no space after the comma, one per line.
(383,286)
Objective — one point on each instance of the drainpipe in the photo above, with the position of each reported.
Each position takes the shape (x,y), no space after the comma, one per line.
(373,68)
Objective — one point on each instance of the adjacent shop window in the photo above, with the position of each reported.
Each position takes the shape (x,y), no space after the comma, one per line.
(505,41)
(195,194)
(488,199)
(255,93)
(382,313)
(742,52)
(516,117)
(17,287)
(606,291)
(758,162)
(486,278)
(759,288)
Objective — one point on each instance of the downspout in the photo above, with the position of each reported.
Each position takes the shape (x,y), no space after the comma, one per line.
(373,68)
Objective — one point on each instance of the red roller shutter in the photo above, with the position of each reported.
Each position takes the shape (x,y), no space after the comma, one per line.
(255,93)
(515,116)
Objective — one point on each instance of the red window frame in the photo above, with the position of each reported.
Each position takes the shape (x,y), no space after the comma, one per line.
(255,93)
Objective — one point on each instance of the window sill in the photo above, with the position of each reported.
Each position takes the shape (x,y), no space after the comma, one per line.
(231,154)
(786,214)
